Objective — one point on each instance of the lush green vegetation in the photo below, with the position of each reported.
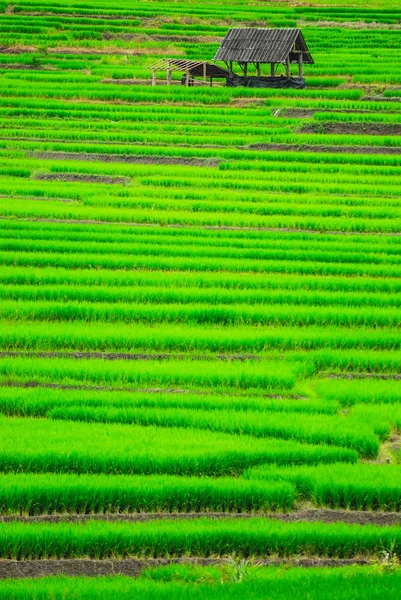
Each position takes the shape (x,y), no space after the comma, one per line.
(177,582)
(199,297)
(200,537)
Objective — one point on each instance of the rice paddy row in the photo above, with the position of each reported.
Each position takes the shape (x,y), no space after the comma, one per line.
(181,580)
(199,301)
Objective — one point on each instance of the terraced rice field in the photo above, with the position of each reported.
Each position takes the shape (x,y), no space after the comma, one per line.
(200,346)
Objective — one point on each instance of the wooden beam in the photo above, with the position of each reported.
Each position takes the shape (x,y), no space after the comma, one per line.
(258,69)
(271,69)
(154,77)
(187,78)
(245,69)
(211,81)
(300,65)
(168,75)
(230,68)
(287,66)
(204,72)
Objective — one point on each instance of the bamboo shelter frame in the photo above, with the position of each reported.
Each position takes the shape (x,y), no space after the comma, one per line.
(189,68)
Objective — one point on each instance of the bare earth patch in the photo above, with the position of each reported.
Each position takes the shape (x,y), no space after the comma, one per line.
(17,49)
(133,567)
(209,227)
(349,24)
(352,128)
(18,67)
(130,356)
(127,158)
(350,376)
(325,149)
(103,388)
(311,515)
(140,37)
(111,51)
(78,177)
(43,13)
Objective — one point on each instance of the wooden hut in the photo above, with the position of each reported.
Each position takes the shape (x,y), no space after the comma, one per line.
(240,49)
(243,47)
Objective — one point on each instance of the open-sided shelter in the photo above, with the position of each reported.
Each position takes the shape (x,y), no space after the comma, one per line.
(254,46)
(204,70)
(241,48)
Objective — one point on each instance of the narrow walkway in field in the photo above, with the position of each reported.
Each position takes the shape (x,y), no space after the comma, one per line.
(14,569)
(211,227)
(129,356)
(322,515)
(351,375)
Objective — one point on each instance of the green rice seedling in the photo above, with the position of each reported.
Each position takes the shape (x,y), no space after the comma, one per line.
(81,260)
(366,361)
(117,238)
(380,416)
(357,391)
(295,246)
(42,445)
(352,487)
(99,336)
(204,374)
(48,493)
(193,295)
(38,401)
(196,313)
(386,290)
(182,581)
(203,537)
(358,434)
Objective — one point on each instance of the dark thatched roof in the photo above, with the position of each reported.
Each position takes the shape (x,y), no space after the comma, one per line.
(263,46)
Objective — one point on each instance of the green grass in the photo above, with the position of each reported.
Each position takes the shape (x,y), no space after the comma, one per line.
(202,537)
(351,487)
(43,445)
(40,401)
(313,429)
(48,493)
(178,581)
(252,263)
(198,373)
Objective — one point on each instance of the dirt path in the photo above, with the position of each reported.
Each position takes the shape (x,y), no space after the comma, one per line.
(325,149)
(350,376)
(130,356)
(388,129)
(310,515)
(82,178)
(125,158)
(103,388)
(141,37)
(133,567)
(200,226)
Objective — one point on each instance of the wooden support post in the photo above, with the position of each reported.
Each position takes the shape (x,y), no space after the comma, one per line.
(300,65)
(271,69)
(287,66)
(230,69)
(154,77)
(211,81)
(169,76)
(187,78)
(245,69)
(204,72)
(258,69)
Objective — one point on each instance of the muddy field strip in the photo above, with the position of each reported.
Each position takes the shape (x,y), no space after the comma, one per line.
(133,567)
